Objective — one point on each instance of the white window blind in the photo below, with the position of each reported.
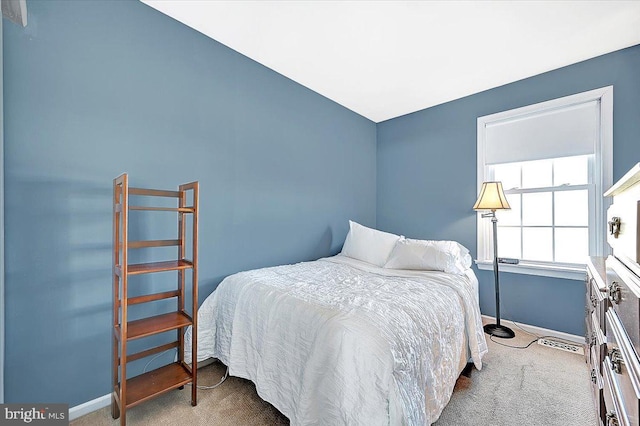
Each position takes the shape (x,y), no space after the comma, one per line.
(554,133)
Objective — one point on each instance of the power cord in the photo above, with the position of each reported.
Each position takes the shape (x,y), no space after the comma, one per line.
(226,373)
(526,331)
(144,370)
(518,347)
(522,329)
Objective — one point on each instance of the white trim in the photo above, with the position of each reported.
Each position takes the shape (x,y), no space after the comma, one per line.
(539,331)
(566,272)
(89,407)
(604,151)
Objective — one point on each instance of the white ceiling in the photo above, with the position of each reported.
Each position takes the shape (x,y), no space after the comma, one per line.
(383,59)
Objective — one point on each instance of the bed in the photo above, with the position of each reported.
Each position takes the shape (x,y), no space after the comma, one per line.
(342,340)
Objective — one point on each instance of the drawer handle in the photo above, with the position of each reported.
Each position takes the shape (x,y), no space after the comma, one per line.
(612,419)
(614,226)
(615,294)
(616,360)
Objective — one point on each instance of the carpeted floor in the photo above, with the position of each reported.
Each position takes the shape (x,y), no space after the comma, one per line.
(534,386)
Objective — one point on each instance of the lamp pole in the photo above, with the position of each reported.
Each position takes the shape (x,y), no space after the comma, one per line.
(496,329)
(494,221)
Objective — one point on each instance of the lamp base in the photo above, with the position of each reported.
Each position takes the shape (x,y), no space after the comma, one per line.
(499,331)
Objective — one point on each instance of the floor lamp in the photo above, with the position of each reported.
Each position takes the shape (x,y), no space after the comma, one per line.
(492,198)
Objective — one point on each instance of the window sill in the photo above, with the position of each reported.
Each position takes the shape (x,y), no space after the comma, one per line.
(569,273)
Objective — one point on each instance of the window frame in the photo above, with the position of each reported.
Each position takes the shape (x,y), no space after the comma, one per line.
(601,166)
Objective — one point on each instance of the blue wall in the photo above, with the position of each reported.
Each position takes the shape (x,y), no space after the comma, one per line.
(96,88)
(427,176)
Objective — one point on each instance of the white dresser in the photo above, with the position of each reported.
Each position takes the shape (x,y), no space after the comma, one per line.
(613,310)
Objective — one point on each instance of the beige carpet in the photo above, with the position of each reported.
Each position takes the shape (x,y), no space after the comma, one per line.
(534,386)
(526,387)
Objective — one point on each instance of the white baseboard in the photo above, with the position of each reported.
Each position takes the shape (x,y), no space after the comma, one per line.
(89,406)
(543,331)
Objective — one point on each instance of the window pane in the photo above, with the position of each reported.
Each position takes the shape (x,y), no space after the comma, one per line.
(508,174)
(536,209)
(509,242)
(572,245)
(510,217)
(537,174)
(537,244)
(571,208)
(571,170)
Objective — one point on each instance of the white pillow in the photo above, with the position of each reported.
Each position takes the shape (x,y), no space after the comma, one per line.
(447,256)
(368,245)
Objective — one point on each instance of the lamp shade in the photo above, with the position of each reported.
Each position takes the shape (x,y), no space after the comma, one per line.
(491,197)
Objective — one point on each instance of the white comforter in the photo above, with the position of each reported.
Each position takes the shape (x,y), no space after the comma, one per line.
(341,342)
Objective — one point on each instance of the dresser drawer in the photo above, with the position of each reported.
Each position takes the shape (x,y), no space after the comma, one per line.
(621,371)
(624,298)
(597,385)
(589,339)
(597,291)
(597,343)
(614,409)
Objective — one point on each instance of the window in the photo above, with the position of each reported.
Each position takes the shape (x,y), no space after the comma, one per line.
(554,160)
(548,220)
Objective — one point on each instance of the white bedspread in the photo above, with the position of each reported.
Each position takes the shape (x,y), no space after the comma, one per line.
(341,342)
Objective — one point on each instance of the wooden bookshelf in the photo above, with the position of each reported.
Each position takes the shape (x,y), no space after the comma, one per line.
(130,391)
